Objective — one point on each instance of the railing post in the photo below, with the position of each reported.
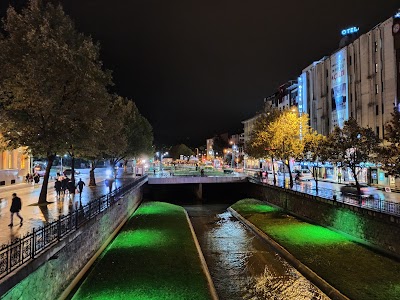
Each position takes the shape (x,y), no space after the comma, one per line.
(33,243)
(59,228)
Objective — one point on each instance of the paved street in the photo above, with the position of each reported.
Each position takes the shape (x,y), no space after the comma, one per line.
(36,216)
(325,188)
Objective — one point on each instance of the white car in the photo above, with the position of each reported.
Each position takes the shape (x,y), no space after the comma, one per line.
(303,175)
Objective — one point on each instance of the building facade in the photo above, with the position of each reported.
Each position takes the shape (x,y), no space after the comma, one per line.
(14,165)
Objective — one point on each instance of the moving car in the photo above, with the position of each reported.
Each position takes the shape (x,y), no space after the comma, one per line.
(68,172)
(303,174)
(366,191)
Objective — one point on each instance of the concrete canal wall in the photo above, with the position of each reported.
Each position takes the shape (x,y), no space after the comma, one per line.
(378,229)
(50,274)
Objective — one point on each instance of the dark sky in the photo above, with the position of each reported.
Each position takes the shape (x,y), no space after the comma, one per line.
(196,68)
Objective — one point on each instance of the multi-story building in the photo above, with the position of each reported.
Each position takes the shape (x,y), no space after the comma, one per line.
(14,165)
(360,80)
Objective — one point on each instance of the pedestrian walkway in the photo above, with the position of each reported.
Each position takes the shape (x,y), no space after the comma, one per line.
(37,216)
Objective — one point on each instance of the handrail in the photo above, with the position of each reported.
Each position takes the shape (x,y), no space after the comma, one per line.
(380,205)
(21,250)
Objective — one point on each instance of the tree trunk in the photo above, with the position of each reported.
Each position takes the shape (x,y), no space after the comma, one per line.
(73,168)
(92,181)
(273,169)
(290,173)
(353,170)
(315,173)
(43,191)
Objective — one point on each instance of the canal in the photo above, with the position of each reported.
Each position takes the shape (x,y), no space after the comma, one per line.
(243,266)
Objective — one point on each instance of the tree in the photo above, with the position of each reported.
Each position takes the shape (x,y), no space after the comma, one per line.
(52,86)
(130,132)
(287,136)
(351,146)
(181,149)
(389,152)
(259,145)
(313,150)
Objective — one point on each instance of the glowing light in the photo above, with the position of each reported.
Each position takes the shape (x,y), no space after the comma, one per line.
(350,30)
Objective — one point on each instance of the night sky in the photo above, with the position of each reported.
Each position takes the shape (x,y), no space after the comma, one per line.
(197,68)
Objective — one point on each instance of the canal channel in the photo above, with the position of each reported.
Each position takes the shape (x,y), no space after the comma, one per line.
(242,265)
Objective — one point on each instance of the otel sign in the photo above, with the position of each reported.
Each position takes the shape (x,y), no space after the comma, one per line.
(350,30)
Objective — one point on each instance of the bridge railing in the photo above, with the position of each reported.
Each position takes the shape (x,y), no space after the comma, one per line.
(381,205)
(22,250)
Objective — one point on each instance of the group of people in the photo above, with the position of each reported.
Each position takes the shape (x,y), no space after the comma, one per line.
(32,178)
(64,184)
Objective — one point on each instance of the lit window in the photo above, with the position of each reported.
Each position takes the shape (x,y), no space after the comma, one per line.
(376,89)
(376,68)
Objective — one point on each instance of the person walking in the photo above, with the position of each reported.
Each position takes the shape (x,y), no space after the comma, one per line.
(79,186)
(71,188)
(339,177)
(15,208)
(57,186)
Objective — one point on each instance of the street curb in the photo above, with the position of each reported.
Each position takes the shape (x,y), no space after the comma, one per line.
(206,271)
(324,286)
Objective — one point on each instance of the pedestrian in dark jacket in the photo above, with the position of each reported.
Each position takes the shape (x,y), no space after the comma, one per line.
(15,208)
(57,186)
(79,186)
(71,188)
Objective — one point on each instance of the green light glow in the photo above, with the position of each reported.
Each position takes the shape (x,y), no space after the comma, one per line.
(347,220)
(153,257)
(303,234)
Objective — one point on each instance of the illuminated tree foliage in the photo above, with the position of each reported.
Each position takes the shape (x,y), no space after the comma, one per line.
(52,86)
(350,147)
(288,134)
(313,150)
(389,153)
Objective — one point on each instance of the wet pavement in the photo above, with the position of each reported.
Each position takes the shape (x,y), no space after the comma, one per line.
(243,266)
(36,216)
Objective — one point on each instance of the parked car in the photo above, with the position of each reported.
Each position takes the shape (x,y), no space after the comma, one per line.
(366,191)
(303,175)
(68,172)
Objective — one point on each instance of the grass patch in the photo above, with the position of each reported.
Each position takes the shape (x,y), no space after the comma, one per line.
(153,257)
(353,269)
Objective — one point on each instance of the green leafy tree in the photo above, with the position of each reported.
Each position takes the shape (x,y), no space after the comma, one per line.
(313,150)
(130,132)
(389,152)
(181,149)
(52,86)
(351,146)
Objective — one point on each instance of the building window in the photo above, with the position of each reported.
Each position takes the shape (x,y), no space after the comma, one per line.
(377,131)
(350,78)
(326,73)
(383,132)
(377,110)
(376,47)
(350,60)
(376,89)
(376,68)
(382,86)
(382,107)
(351,97)
(351,114)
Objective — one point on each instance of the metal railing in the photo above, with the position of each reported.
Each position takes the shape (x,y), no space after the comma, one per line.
(380,205)
(21,250)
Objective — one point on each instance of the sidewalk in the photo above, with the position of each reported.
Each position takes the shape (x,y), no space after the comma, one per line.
(381,187)
(36,216)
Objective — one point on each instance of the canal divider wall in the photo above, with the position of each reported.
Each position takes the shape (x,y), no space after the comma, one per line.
(373,228)
(53,272)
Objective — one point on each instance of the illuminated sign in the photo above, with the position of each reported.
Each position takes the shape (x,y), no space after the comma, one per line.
(350,30)
(339,89)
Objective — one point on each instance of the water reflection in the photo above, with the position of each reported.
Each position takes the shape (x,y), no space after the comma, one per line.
(244,267)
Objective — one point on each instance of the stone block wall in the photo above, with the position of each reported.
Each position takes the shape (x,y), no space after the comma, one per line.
(377,229)
(51,273)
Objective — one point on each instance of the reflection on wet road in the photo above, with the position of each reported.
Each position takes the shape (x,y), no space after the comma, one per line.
(243,266)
